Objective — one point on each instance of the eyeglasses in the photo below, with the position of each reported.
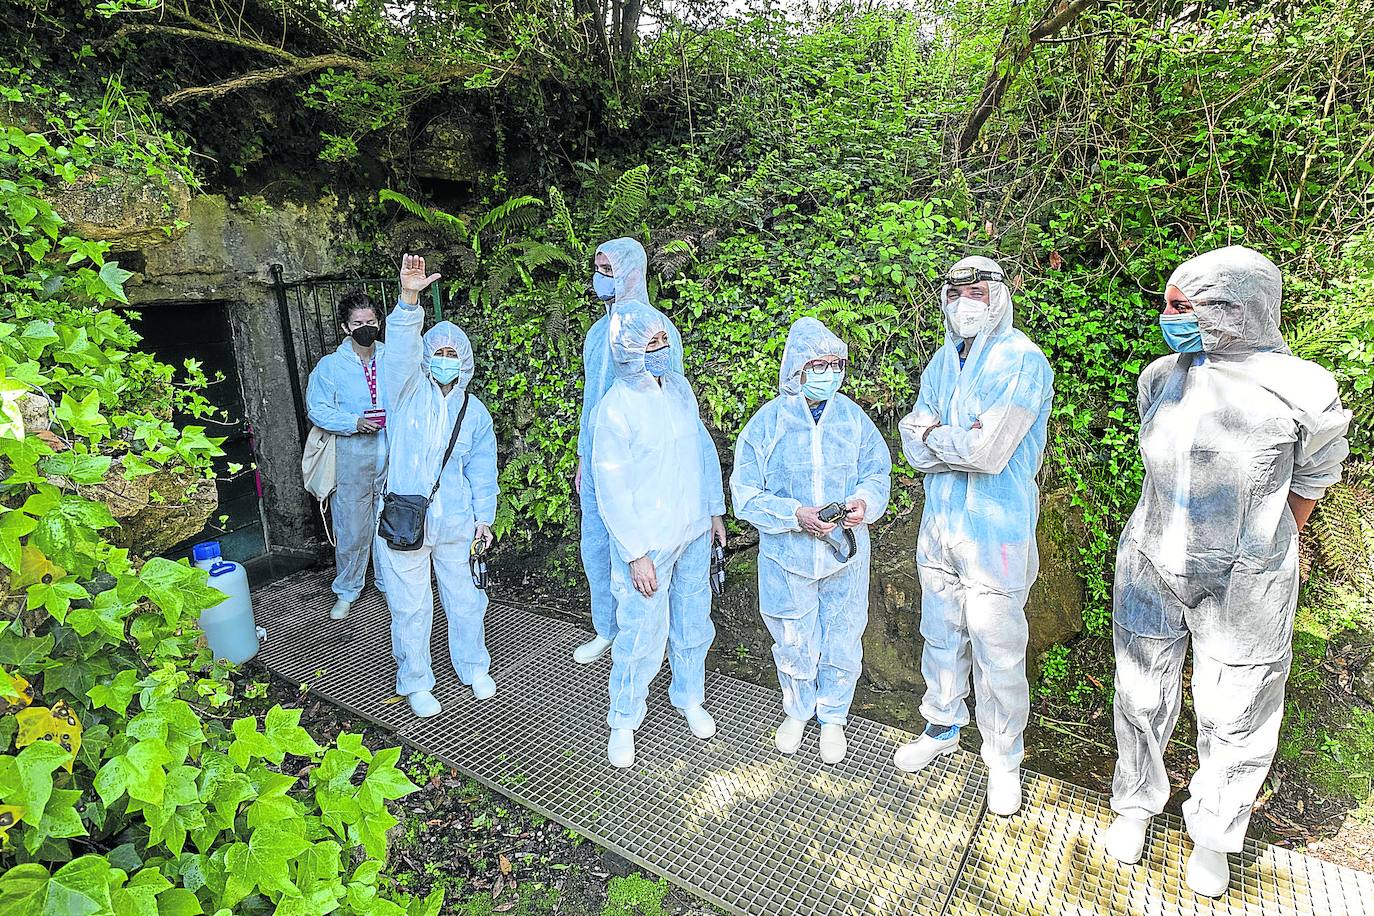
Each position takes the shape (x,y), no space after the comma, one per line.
(963,276)
(820,365)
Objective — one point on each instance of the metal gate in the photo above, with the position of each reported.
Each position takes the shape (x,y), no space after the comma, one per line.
(309,310)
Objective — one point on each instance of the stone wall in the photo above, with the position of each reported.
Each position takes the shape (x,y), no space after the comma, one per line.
(224,253)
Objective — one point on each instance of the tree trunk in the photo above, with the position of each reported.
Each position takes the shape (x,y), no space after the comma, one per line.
(1010,57)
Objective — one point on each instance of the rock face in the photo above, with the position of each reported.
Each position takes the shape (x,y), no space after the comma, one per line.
(444,153)
(155,511)
(892,642)
(128,211)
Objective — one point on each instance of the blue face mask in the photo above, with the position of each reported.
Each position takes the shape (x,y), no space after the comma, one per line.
(822,385)
(1181,332)
(604,286)
(656,361)
(444,369)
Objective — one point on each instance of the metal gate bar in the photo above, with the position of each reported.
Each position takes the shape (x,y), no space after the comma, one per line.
(752,831)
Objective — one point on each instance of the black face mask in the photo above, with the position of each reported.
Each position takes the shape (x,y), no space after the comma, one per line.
(366,335)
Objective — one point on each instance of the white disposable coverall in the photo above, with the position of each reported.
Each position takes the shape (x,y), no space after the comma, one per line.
(976,553)
(335,398)
(815,607)
(658,476)
(629,266)
(419,423)
(1211,551)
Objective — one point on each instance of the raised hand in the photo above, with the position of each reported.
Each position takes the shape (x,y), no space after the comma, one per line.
(413,278)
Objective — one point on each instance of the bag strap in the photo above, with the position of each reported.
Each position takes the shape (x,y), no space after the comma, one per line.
(452,441)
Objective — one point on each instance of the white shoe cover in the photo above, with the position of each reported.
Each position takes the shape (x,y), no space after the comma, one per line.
(483,687)
(833,744)
(423,704)
(700,721)
(915,756)
(789,736)
(340,609)
(1004,792)
(589,652)
(1125,839)
(1209,872)
(620,750)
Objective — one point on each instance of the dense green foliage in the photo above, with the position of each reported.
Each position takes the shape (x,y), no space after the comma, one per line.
(775,165)
(127,784)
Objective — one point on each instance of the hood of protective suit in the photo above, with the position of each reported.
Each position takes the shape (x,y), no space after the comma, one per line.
(632,327)
(1236,294)
(807,340)
(448,334)
(999,300)
(630,267)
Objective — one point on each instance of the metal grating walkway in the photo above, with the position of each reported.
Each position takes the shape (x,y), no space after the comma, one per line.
(742,826)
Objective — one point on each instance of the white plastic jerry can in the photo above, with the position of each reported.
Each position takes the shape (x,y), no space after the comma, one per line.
(228,626)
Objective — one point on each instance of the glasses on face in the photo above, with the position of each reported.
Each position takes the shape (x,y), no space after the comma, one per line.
(821,365)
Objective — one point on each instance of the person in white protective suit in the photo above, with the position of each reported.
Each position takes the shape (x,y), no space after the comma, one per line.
(426,388)
(619,277)
(658,480)
(809,448)
(1239,439)
(344,398)
(977,433)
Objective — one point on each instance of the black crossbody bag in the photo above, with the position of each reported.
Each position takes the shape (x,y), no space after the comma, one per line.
(402,520)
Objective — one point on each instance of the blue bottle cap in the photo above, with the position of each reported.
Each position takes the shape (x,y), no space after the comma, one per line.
(205,550)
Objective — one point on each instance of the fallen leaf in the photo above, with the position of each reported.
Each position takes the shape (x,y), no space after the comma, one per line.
(505,865)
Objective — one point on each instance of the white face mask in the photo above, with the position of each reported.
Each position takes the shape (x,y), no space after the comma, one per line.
(968,316)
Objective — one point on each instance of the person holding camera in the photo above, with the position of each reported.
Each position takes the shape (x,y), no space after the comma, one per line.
(344,400)
(441,444)
(977,433)
(811,473)
(657,474)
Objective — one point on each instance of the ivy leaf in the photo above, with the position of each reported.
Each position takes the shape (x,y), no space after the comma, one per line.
(80,887)
(58,724)
(60,819)
(84,416)
(110,282)
(70,533)
(116,694)
(27,778)
(178,901)
(263,862)
(27,653)
(384,781)
(284,731)
(82,469)
(13,526)
(178,589)
(56,598)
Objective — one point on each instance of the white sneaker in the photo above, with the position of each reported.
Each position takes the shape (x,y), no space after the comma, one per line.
(833,744)
(340,609)
(483,687)
(700,721)
(620,750)
(1004,792)
(1125,839)
(789,736)
(915,756)
(1209,872)
(589,652)
(423,704)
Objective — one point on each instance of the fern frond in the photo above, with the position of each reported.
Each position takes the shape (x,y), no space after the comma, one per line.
(673,257)
(628,198)
(534,255)
(516,213)
(1343,527)
(430,215)
(562,219)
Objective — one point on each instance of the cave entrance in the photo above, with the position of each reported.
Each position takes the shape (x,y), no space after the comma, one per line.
(175,332)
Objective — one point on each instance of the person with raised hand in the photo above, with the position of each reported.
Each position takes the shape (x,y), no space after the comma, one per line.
(441,442)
